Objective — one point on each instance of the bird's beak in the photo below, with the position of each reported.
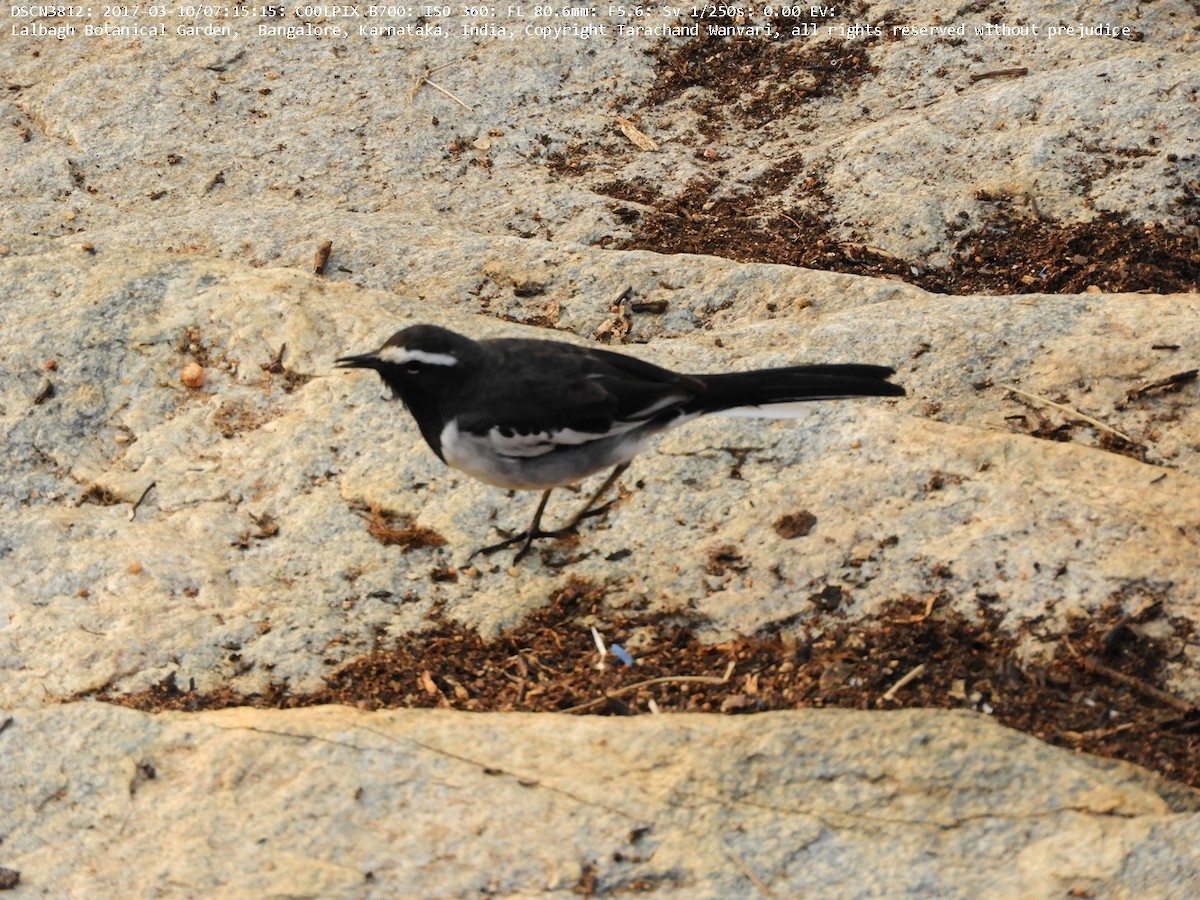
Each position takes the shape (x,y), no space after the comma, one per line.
(362,361)
(368,361)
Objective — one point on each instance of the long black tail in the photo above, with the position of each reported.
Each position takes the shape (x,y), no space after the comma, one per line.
(821,382)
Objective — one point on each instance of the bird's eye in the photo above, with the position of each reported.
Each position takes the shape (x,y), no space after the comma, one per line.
(412,368)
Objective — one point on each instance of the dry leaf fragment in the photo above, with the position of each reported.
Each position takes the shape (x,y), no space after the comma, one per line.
(639,139)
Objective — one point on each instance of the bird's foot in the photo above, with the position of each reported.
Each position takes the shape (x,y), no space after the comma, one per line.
(526,538)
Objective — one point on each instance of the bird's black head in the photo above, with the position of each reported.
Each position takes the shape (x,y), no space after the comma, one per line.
(419,363)
(423,365)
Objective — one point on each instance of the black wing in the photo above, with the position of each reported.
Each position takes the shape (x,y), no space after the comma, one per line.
(546,395)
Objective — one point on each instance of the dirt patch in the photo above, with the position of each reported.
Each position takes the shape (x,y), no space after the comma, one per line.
(1011,252)
(1102,692)
(751,83)
(783,216)
(396,529)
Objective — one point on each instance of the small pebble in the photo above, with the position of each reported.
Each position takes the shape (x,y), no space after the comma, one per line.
(193,375)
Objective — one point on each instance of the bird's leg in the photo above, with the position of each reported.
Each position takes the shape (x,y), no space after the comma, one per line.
(587,512)
(527,537)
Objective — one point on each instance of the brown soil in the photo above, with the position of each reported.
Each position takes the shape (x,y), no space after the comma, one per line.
(747,85)
(1102,692)
(1011,253)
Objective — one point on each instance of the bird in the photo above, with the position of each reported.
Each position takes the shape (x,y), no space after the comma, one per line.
(537,414)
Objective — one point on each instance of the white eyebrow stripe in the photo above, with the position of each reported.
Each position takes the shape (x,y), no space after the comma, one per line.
(402,355)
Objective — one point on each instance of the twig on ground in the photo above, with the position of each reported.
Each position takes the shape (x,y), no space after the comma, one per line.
(666,679)
(1074,413)
(423,79)
(913,675)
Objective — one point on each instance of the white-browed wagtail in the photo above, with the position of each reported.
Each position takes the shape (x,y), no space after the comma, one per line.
(528,414)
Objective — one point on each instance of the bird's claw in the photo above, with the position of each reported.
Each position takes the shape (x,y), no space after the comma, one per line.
(526,538)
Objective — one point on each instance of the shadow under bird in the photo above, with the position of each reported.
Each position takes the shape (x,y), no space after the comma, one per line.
(528,414)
